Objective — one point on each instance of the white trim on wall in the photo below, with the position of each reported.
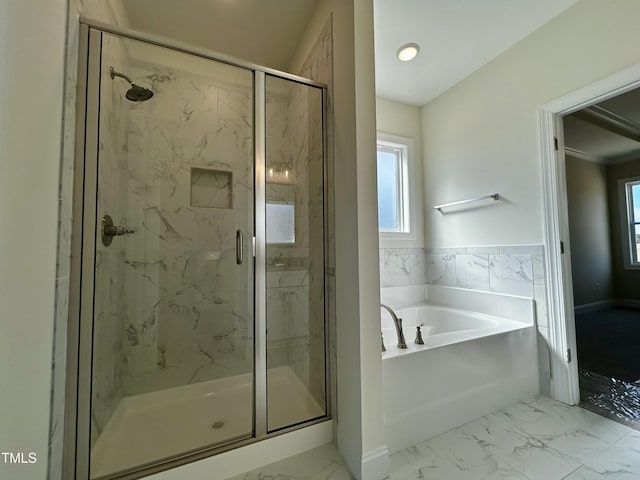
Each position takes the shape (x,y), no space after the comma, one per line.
(574,152)
(373,465)
(562,338)
(627,233)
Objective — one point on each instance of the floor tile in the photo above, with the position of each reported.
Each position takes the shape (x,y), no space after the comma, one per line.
(539,439)
(505,472)
(576,417)
(600,456)
(584,473)
(453,454)
(630,442)
(526,453)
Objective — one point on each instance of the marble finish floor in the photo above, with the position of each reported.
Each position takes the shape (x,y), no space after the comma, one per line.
(536,440)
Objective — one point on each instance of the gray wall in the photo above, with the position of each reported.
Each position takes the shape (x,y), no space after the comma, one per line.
(591,261)
(597,233)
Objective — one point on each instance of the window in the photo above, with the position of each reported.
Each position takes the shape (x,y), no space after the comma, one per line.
(394,174)
(632,224)
(280,223)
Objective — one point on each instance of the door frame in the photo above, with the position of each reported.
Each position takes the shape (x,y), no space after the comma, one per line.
(562,337)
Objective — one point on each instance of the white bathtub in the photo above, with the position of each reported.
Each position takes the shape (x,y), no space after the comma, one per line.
(441,326)
(479,355)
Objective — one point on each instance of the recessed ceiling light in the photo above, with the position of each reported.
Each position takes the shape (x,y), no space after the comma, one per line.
(408,51)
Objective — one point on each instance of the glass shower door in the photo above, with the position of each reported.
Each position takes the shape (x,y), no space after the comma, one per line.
(295,241)
(173,326)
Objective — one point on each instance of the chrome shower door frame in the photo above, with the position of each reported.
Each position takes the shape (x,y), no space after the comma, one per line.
(76,462)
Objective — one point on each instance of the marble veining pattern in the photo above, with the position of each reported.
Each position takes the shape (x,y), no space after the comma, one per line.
(509,269)
(404,266)
(512,274)
(472,271)
(441,270)
(540,439)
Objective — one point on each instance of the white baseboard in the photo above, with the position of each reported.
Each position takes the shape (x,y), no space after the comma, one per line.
(629,303)
(373,465)
(593,307)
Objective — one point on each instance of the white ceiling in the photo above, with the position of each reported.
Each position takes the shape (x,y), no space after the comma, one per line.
(456,37)
(596,142)
(266,32)
(600,145)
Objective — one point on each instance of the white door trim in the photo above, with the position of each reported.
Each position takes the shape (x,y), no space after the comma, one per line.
(562,337)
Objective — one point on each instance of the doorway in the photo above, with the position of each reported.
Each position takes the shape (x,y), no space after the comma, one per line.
(602,165)
(565,384)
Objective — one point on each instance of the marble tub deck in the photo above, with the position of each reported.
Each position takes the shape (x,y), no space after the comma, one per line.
(537,440)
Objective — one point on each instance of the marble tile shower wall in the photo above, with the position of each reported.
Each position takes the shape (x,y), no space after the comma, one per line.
(192,320)
(515,270)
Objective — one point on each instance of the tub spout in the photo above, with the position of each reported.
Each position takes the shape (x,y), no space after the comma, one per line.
(398,323)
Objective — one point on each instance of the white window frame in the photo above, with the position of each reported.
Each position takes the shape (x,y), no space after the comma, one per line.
(628,222)
(406,189)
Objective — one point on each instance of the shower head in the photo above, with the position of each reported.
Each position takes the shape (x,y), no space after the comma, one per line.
(136,93)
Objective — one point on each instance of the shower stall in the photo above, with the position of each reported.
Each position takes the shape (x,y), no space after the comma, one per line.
(199,247)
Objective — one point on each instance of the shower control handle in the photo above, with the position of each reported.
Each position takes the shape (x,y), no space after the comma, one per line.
(239,247)
(109,230)
(116,231)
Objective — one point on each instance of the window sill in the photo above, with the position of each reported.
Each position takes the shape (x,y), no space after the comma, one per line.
(399,240)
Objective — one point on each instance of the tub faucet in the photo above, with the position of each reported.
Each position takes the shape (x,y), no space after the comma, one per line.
(398,323)
(419,340)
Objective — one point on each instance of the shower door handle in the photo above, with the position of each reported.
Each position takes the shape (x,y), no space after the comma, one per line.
(239,247)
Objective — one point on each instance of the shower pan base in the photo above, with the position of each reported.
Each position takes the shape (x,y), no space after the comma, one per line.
(148,427)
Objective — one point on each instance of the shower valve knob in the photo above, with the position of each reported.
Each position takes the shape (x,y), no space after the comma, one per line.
(116,231)
(109,230)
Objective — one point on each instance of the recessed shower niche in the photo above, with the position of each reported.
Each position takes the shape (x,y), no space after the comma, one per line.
(211,188)
(175,361)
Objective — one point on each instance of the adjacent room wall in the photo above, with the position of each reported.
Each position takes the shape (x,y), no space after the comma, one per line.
(626,281)
(31,93)
(591,262)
